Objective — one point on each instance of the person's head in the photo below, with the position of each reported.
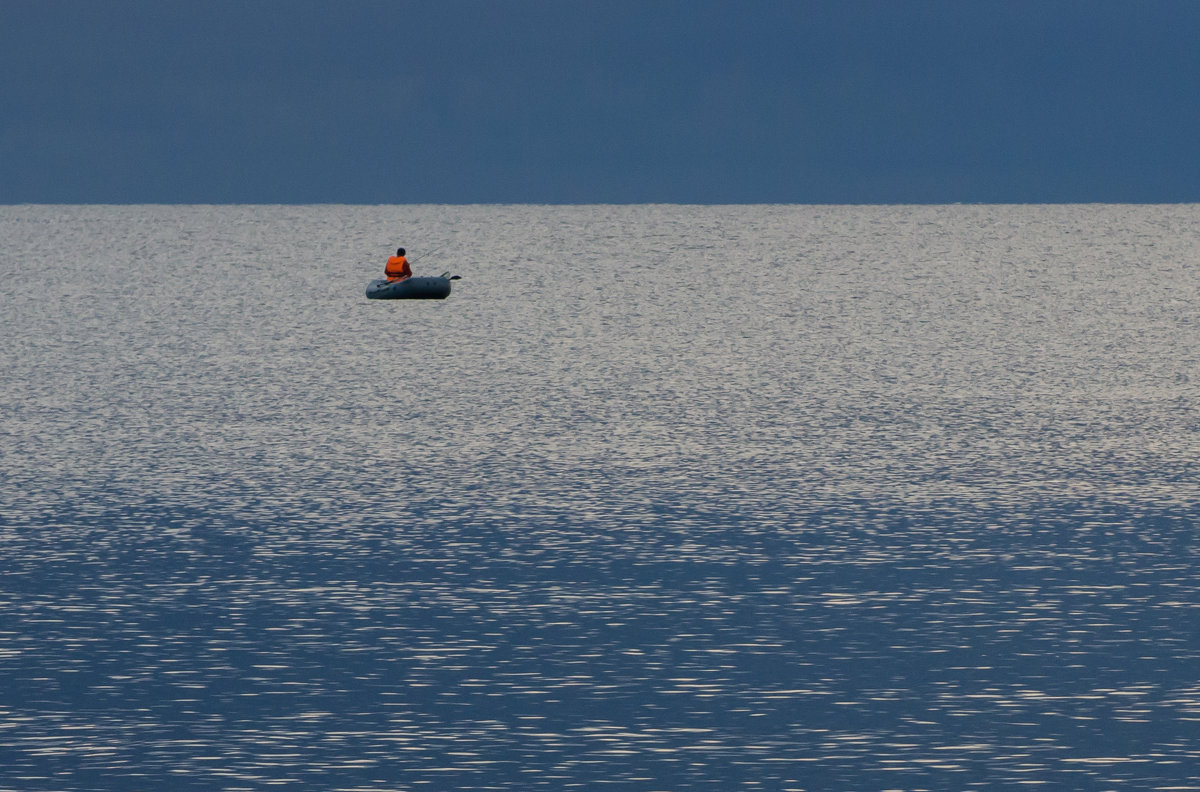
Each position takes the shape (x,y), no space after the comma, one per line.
(399,251)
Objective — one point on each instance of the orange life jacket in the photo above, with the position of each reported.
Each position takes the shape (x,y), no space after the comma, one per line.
(397,268)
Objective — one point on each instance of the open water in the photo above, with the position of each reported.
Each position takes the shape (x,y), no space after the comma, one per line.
(661,498)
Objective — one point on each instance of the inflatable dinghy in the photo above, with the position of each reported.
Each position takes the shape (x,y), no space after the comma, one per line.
(427,287)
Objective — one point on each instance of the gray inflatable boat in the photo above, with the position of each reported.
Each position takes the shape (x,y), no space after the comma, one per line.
(427,287)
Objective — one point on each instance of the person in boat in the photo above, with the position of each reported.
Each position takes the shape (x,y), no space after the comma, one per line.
(397,267)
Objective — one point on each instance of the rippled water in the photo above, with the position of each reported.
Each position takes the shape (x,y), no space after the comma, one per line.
(661,497)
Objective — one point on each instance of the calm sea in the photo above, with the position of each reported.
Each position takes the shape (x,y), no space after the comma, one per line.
(661,498)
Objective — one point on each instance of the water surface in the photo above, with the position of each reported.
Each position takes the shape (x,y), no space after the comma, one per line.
(764,497)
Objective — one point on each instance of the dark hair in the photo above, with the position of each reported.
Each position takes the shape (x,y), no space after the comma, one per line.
(399,251)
